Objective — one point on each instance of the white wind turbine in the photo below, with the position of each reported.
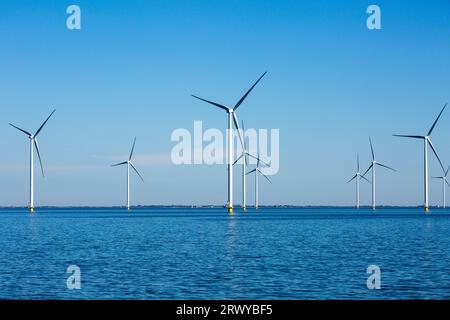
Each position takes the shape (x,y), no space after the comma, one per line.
(373,166)
(244,156)
(231,118)
(129,164)
(33,144)
(258,172)
(444,182)
(426,142)
(358,176)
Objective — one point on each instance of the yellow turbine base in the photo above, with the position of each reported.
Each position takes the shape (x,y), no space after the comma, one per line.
(230,210)
(426,209)
(31,210)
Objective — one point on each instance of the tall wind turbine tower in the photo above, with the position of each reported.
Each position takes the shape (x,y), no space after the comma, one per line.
(258,172)
(244,156)
(231,118)
(357,177)
(129,165)
(444,183)
(33,144)
(372,167)
(426,142)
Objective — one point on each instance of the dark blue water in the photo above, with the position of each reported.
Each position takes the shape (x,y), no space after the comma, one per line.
(162,253)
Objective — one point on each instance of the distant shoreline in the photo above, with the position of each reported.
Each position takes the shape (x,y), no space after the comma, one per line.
(217,207)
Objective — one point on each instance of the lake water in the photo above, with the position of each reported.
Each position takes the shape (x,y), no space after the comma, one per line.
(184,253)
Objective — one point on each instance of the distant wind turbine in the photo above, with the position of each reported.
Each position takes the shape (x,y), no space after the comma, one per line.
(33,144)
(258,172)
(373,166)
(244,156)
(129,164)
(444,182)
(427,142)
(231,118)
(358,176)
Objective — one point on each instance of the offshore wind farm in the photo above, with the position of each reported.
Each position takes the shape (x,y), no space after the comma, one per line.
(322,194)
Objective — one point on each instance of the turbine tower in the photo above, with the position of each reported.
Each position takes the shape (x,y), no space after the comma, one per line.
(244,156)
(426,142)
(33,144)
(129,164)
(231,118)
(258,172)
(444,182)
(373,166)
(358,176)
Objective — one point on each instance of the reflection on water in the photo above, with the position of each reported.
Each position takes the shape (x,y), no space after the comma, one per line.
(169,253)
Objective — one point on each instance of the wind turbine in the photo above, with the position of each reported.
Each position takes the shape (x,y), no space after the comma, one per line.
(129,164)
(358,176)
(258,172)
(373,166)
(33,144)
(231,118)
(426,142)
(244,156)
(444,182)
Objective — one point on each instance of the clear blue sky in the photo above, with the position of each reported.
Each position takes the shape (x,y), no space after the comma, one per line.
(131,69)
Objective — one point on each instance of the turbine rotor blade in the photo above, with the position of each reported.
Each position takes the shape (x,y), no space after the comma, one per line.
(365,178)
(210,102)
(239,158)
(264,176)
(236,123)
(39,155)
(371,148)
(447,182)
(247,93)
(119,164)
(250,171)
(435,153)
(385,166)
(132,166)
(40,128)
(258,159)
(370,167)
(354,177)
(440,113)
(357,163)
(446,172)
(408,136)
(132,149)
(26,132)
(243,134)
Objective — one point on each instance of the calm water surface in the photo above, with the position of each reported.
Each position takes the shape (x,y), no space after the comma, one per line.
(162,253)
